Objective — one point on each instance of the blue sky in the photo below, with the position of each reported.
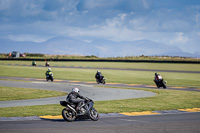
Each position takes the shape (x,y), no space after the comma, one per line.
(168,23)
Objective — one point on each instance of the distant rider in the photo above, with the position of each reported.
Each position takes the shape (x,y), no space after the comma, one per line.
(47,64)
(99,76)
(76,98)
(33,63)
(157,77)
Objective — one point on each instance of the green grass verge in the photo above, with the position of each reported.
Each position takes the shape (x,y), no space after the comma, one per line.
(165,100)
(15,93)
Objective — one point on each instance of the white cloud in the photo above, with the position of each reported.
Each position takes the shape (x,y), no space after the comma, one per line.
(145,4)
(31,38)
(88,41)
(179,38)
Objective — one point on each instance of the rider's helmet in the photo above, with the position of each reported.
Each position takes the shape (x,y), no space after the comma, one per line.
(156,74)
(98,71)
(49,69)
(75,90)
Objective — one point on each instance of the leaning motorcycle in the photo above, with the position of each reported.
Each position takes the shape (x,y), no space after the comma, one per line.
(101,80)
(87,111)
(49,76)
(47,64)
(161,83)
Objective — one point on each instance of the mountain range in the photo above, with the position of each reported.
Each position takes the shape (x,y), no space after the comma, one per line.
(98,47)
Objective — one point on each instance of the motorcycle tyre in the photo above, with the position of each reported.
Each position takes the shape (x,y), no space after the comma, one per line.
(65,116)
(91,114)
(104,82)
(164,86)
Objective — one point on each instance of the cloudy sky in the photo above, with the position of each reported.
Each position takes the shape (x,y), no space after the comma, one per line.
(103,25)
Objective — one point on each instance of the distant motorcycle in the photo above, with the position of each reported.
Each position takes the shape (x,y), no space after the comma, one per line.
(161,83)
(49,76)
(47,64)
(87,111)
(101,80)
(33,63)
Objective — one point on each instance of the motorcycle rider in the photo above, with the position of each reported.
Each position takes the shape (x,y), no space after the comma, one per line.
(99,76)
(48,72)
(33,63)
(157,77)
(76,98)
(47,64)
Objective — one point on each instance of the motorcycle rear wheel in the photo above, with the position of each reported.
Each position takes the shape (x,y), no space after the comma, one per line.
(93,114)
(67,114)
(164,86)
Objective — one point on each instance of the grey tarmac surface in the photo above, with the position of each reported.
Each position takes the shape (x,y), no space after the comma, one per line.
(95,93)
(168,123)
(107,84)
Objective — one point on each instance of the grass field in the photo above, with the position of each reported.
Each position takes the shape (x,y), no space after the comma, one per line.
(165,100)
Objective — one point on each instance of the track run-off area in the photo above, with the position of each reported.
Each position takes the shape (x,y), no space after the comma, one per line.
(89,89)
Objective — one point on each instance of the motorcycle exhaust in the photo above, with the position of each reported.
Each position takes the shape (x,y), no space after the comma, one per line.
(72,109)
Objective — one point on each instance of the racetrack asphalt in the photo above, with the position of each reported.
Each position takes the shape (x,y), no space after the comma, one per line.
(165,123)
(95,93)
(107,84)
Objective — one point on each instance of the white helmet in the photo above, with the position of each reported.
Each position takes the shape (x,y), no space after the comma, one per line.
(75,90)
(49,69)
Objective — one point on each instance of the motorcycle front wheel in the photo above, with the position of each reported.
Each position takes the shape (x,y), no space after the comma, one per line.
(67,114)
(93,114)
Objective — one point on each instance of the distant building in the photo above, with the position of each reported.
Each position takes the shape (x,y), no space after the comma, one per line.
(15,54)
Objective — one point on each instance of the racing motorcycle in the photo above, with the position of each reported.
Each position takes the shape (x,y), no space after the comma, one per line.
(34,63)
(47,64)
(87,111)
(161,83)
(101,80)
(49,76)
